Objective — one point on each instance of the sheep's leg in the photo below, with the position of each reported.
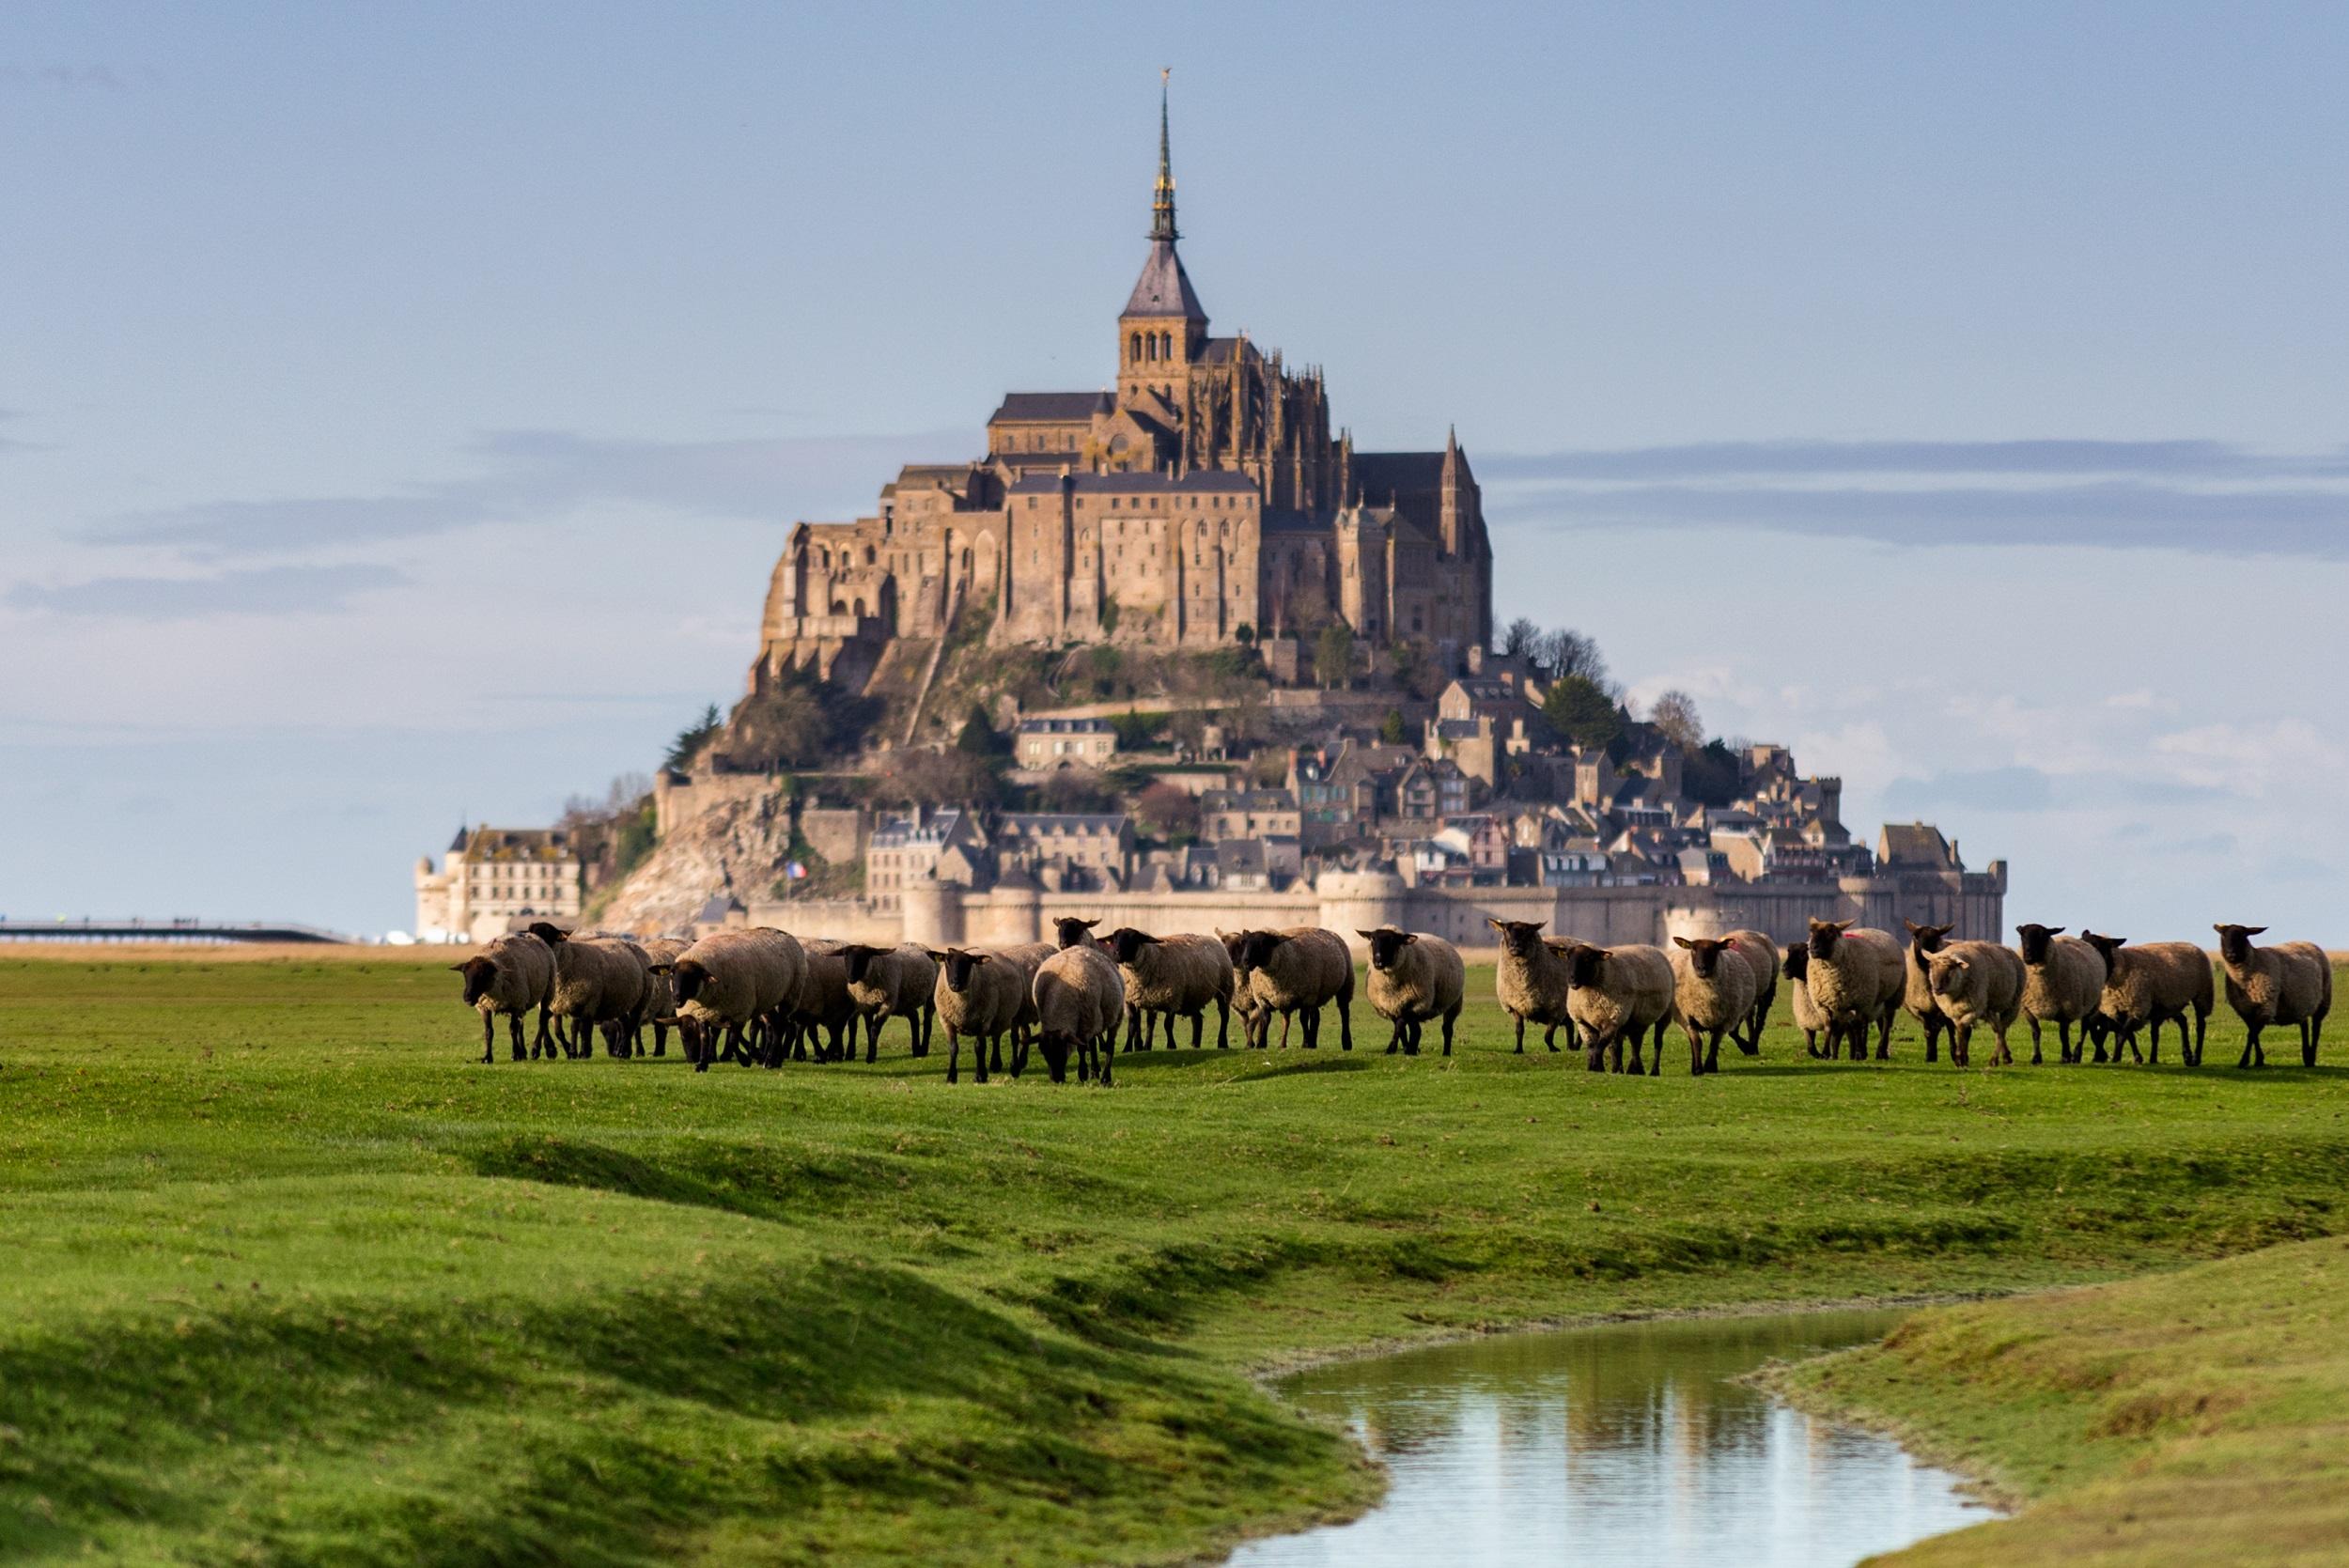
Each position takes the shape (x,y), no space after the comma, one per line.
(2250,1044)
(1696,1052)
(1521,1035)
(1198,1029)
(488,1038)
(2001,1057)
(1549,1037)
(872,1038)
(1656,1050)
(978,1051)
(1595,1053)
(2311,1034)
(1395,1040)
(1222,1025)
(953,1056)
(1133,1026)
(1449,1020)
(1345,1022)
(1109,1058)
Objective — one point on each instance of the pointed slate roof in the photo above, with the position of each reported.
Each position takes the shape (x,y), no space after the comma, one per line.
(1164,288)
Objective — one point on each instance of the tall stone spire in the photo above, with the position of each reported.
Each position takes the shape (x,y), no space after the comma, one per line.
(1163,199)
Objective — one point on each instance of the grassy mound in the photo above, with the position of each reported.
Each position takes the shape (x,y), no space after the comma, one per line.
(294,1278)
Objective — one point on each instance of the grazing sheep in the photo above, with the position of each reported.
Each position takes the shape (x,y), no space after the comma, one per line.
(980,994)
(823,1003)
(512,975)
(1763,959)
(1617,994)
(1713,990)
(736,984)
(1917,984)
(660,956)
(1809,1015)
(598,980)
(1415,977)
(1855,976)
(2290,982)
(891,982)
(2152,984)
(1030,957)
(1299,970)
(1080,1002)
(1180,976)
(1254,1021)
(2062,978)
(1532,982)
(1977,983)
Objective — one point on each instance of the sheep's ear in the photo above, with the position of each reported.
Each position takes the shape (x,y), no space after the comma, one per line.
(2253,930)
(1494,924)
(1089,925)
(934,956)
(460,967)
(1685,942)
(1366,935)
(2057,930)
(1409,937)
(665,969)
(978,957)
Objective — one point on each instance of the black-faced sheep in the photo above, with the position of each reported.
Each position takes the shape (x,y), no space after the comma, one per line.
(1177,977)
(2289,983)
(598,980)
(980,994)
(1713,990)
(891,982)
(736,986)
(1618,994)
(1080,1002)
(512,975)
(1531,981)
(1763,957)
(1415,977)
(2152,984)
(1917,984)
(1976,983)
(1299,971)
(2062,979)
(1809,1015)
(823,1007)
(1855,976)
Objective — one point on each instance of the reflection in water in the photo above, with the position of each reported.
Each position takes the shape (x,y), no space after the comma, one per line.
(1625,1444)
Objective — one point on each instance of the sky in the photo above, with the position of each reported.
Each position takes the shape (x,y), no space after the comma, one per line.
(401,408)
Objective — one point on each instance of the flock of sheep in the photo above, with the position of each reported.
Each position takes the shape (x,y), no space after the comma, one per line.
(760,996)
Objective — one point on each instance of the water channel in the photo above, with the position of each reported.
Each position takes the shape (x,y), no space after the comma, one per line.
(1629,1444)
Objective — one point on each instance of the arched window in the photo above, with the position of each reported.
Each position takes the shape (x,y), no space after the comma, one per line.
(1166,345)
(859,606)
(838,607)
(869,558)
(1134,346)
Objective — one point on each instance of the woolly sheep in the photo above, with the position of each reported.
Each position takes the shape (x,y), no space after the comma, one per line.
(1530,981)
(1917,983)
(823,1003)
(2152,984)
(1301,969)
(1080,1002)
(1763,957)
(512,975)
(1617,994)
(2290,982)
(1977,983)
(891,982)
(736,984)
(1030,957)
(598,980)
(1415,977)
(1713,990)
(1855,977)
(1809,1017)
(1179,976)
(2062,978)
(980,994)
(1254,1022)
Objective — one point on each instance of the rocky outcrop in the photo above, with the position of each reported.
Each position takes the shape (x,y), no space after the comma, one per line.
(737,845)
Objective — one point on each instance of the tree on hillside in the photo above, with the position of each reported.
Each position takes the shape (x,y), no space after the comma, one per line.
(1675,714)
(1168,810)
(1333,655)
(1567,653)
(1390,728)
(1580,709)
(1518,638)
(955,778)
(693,738)
(1076,789)
(978,737)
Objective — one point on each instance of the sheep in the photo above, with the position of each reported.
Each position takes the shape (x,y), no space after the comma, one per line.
(1415,977)
(1030,957)
(1977,983)
(1809,1017)
(1713,990)
(891,982)
(1080,1002)
(2063,977)
(1254,1023)
(1617,994)
(1763,957)
(735,981)
(1297,970)
(2153,983)
(1856,979)
(980,994)
(2290,982)
(1069,931)
(512,975)
(661,956)
(1917,984)
(597,980)
(1179,976)
(823,1003)
(1532,982)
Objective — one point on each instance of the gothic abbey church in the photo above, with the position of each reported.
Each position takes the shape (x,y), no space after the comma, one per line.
(1201,503)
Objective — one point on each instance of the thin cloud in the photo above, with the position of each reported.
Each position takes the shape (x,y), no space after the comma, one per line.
(260,591)
(546,476)
(2197,496)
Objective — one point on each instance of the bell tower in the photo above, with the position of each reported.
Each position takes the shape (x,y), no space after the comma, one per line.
(1163,327)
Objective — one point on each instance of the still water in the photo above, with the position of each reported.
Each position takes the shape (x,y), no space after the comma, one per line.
(1625,1444)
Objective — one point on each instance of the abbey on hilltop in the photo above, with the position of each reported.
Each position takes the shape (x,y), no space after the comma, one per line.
(1201,500)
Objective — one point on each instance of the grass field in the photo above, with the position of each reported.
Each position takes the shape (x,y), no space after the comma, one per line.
(292,1279)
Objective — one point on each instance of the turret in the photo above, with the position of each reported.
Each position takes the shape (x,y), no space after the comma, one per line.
(1163,326)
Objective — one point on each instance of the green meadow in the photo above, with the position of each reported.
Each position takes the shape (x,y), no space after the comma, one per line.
(289,1277)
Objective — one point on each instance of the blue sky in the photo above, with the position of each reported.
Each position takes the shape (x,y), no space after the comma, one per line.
(401,407)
